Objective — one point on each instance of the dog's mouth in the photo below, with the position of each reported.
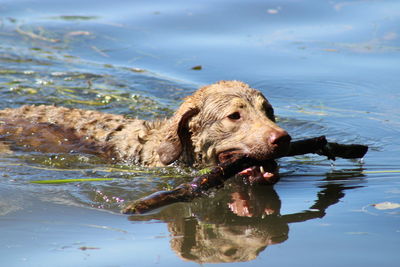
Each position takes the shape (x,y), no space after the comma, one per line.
(265,173)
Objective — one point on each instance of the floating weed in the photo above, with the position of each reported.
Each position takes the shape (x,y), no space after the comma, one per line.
(85,102)
(21,90)
(63,90)
(70,56)
(38,34)
(13,82)
(204,171)
(77,180)
(309,111)
(16,59)
(78,95)
(78,89)
(87,248)
(83,76)
(74,18)
(382,171)
(8,71)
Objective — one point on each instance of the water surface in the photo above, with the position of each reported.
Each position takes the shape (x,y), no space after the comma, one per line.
(328,67)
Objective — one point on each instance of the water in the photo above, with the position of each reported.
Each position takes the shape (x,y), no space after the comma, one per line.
(328,67)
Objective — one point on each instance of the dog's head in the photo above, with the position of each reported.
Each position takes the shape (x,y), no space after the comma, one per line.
(224,120)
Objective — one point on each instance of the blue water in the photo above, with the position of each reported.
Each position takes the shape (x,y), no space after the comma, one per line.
(328,67)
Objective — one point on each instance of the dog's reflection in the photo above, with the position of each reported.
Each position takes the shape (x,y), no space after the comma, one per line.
(237,223)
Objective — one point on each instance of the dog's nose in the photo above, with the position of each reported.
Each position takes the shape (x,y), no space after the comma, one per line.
(279,137)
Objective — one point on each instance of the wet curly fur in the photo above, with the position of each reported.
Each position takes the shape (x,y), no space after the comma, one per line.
(217,121)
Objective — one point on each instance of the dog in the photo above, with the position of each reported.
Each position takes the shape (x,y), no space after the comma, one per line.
(217,122)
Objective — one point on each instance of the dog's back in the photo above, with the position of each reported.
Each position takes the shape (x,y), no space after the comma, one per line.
(61,130)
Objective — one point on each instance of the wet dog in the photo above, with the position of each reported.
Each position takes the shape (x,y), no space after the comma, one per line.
(211,126)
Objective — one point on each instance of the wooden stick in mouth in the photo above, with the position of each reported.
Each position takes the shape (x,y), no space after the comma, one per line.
(219,174)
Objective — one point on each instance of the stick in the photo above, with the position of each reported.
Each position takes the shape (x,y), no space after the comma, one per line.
(319,145)
(188,191)
(218,175)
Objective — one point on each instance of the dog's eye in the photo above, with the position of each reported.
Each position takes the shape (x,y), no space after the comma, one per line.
(234,116)
(270,113)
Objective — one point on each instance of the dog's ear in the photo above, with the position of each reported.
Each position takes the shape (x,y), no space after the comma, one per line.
(176,133)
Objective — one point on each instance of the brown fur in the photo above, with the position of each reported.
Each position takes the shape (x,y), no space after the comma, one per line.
(211,125)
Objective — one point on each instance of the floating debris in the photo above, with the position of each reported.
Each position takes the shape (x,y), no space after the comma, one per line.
(78,33)
(87,248)
(198,67)
(386,205)
(137,70)
(73,17)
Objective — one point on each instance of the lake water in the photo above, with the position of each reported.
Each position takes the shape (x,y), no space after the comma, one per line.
(329,68)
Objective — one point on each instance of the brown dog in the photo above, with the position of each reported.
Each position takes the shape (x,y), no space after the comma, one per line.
(216,122)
